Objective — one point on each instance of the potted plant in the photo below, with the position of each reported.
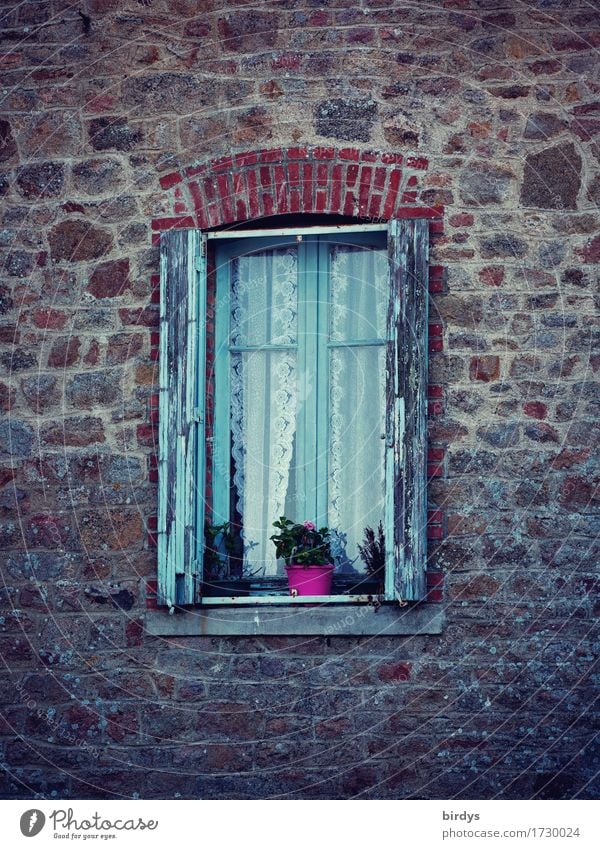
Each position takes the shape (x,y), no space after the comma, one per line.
(307,555)
(219,545)
(372,552)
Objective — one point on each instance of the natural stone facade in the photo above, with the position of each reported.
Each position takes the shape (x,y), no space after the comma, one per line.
(124,118)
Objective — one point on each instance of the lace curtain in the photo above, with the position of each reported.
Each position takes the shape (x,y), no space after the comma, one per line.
(265,402)
(263,395)
(358,298)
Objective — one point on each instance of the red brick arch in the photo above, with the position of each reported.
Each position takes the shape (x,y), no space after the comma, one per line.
(309,180)
(322,180)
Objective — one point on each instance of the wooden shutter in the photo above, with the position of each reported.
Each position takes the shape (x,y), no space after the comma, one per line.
(406,409)
(181,448)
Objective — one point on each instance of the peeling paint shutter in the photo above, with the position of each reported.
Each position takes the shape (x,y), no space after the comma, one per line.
(406,408)
(181,449)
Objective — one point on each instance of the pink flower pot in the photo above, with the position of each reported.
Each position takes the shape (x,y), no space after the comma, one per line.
(310,580)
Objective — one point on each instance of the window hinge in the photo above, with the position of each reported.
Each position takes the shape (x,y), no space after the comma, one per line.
(198,415)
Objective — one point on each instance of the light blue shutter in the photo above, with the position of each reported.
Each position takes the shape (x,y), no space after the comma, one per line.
(406,409)
(181,445)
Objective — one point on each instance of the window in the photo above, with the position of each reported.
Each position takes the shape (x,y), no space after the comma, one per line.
(299,392)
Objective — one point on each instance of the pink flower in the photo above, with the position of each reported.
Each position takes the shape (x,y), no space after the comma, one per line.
(309,526)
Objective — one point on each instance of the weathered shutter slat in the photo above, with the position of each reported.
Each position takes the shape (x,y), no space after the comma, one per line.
(181,416)
(406,408)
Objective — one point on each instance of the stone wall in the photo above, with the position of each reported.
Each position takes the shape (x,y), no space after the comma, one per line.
(111,112)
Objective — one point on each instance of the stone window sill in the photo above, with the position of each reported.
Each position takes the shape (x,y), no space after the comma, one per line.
(307,620)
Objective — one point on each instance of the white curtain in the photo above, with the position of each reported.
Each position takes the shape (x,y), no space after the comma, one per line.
(263,396)
(358,298)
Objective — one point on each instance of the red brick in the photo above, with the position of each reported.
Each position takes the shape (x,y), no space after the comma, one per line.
(323,152)
(307,189)
(389,205)
(349,153)
(274,155)
(297,153)
(169,180)
(392,158)
(223,163)
(173,223)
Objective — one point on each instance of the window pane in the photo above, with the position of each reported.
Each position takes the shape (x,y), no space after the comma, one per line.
(264,298)
(263,425)
(358,293)
(356,447)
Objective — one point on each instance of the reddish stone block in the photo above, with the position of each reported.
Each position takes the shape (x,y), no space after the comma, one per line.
(395,671)
(436,455)
(535,409)
(435,345)
(109,279)
(435,390)
(435,470)
(64,352)
(48,319)
(145,316)
(485,368)
(461,219)
(349,153)
(492,275)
